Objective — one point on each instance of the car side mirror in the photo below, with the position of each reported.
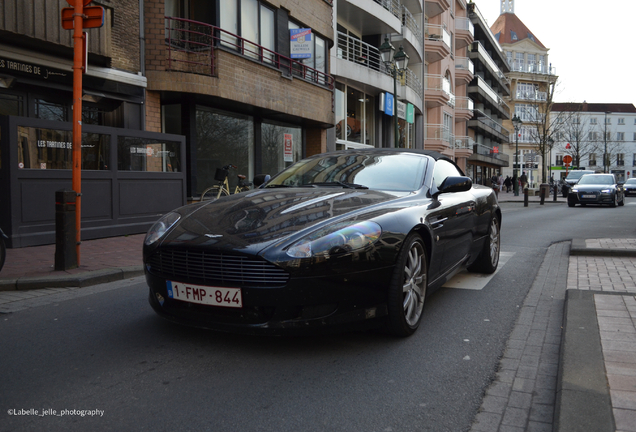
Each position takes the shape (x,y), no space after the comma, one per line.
(455,184)
(261,179)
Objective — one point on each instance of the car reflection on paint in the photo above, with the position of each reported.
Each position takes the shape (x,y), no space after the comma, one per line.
(348,239)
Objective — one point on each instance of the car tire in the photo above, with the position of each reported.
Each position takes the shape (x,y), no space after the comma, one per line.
(614,199)
(570,204)
(407,292)
(488,259)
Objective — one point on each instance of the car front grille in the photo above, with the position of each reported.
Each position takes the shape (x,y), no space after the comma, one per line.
(213,268)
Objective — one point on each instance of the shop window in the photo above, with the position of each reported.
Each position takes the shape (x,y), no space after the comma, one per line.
(355,116)
(143,154)
(46,110)
(11,105)
(222,139)
(281,146)
(40,148)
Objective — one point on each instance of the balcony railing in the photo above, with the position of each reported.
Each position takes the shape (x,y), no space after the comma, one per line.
(462,23)
(489,151)
(464,142)
(464,103)
(478,47)
(464,63)
(411,23)
(532,95)
(435,32)
(439,82)
(363,54)
(392,6)
(492,94)
(439,132)
(535,68)
(487,121)
(191,47)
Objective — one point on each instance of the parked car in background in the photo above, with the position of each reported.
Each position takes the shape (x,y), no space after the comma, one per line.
(571,179)
(344,238)
(596,189)
(630,187)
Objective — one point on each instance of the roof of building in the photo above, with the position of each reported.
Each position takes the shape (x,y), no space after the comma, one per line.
(594,107)
(508,29)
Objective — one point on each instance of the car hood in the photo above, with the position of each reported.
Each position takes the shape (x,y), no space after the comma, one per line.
(252,221)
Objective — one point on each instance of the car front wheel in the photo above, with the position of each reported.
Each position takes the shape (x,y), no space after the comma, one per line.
(407,292)
(614,200)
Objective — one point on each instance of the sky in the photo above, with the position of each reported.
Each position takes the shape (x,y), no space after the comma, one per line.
(590,44)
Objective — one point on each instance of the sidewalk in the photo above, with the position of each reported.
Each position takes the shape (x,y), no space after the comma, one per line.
(569,363)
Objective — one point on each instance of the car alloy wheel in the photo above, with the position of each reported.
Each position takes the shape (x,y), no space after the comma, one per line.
(407,292)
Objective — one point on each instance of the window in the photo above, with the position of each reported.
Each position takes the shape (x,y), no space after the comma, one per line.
(621,121)
(559,160)
(509,58)
(592,159)
(354,116)
(620,136)
(532,67)
(527,91)
(318,58)
(634,160)
(143,154)
(519,61)
(252,21)
(592,136)
(593,120)
(620,159)
(50,110)
(542,65)
(11,105)
(608,121)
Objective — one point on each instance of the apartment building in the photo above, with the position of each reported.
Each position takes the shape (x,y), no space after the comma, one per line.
(587,131)
(366,114)
(488,90)
(532,79)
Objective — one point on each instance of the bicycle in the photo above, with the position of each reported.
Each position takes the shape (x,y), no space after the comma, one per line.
(223,187)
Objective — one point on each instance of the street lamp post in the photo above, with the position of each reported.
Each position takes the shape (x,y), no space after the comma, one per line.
(395,64)
(605,161)
(516,122)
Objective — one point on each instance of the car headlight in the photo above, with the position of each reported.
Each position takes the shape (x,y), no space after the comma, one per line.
(160,227)
(606,191)
(575,190)
(343,237)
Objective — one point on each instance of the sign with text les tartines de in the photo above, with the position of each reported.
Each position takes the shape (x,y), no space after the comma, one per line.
(300,43)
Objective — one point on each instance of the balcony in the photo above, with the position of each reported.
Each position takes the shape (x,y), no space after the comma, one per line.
(435,7)
(464,70)
(464,32)
(439,138)
(437,43)
(535,96)
(372,16)
(437,91)
(191,48)
(487,126)
(412,36)
(539,68)
(464,146)
(484,63)
(490,154)
(464,109)
(482,92)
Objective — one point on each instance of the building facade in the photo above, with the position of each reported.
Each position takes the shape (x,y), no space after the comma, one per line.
(588,131)
(364,86)
(532,81)
(488,89)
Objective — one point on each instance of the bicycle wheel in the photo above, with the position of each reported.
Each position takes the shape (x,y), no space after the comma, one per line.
(213,193)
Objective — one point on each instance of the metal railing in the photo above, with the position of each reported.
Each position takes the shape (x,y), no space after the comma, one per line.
(439,132)
(535,67)
(532,95)
(462,23)
(464,63)
(464,142)
(490,151)
(478,47)
(392,6)
(464,103)
(411,23)
(363,54)
(191,47)
(435,32)
(492,94)
(439,82)
(487,121)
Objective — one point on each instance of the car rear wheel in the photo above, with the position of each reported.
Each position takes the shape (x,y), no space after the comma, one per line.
(488,259)
(407,292)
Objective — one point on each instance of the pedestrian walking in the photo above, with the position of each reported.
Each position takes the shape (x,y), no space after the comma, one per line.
(524,180)
(507,183)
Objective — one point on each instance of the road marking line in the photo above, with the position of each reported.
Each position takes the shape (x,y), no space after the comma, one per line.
(476,281)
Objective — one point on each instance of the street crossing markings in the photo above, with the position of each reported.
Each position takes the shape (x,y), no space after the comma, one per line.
(477,281)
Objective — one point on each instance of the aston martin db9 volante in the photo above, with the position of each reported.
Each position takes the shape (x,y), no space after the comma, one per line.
(596,189)
(350,238)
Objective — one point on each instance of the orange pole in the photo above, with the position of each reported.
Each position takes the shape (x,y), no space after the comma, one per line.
(78,66)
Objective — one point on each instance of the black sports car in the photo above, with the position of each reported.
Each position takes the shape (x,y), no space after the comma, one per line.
(596,189)
(630,187)
(351,237)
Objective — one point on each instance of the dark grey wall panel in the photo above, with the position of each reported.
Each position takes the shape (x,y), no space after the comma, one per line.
(144,197)
(37,199)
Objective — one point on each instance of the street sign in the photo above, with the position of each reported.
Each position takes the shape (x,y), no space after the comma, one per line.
(93,17)
(567,159)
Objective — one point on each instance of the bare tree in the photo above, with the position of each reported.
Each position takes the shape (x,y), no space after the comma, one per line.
(576,137)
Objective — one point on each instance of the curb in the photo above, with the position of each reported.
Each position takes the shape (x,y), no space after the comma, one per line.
(582,396)
(79,280)
(580,248)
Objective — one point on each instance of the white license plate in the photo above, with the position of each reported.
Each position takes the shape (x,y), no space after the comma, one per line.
(588,196)
(215,296)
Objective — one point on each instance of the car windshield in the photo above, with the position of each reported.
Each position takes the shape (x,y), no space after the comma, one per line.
(391,172)
(631,181)
(597,179)
(574,175)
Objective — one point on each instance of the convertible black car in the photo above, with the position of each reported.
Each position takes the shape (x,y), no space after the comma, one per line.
(597,189)
(350,238)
